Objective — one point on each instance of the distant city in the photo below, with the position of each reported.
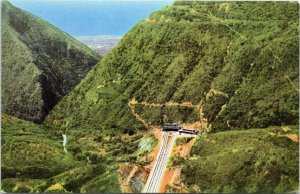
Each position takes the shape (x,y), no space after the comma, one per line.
(93,17)
(99,24)
(101,44)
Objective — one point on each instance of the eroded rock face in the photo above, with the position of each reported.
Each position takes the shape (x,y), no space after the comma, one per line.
(40,64)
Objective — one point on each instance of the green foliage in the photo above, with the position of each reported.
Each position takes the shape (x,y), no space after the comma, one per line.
(29,151)
(33,154)
(238,60)
(256,160)
(268,95)
(104,183)
(73,179)
(184,52)
(22,185)
(159,115)
(40,64)
(30,154)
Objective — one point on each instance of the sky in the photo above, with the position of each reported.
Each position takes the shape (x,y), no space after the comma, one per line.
(92,17)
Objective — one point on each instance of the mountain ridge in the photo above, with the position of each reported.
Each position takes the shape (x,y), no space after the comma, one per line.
(237,62)
(231,67)
(162,59)
(59,62)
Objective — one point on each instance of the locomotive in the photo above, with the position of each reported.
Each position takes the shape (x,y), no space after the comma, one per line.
(176,128)
(171,127)
(188,131)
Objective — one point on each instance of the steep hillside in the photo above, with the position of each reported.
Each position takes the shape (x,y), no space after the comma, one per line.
(40,64)
(30,151)
(235,63)
(256,160)
(227,66)
(34,160)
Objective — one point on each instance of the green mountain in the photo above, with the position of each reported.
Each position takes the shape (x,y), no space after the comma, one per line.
(40,64)
(235,66)
(237,61)
(256,160)
(230,66)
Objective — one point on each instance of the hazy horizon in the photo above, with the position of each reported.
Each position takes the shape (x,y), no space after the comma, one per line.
(92,18)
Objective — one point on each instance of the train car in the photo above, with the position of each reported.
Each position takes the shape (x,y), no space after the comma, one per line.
(171,127)
(188,131)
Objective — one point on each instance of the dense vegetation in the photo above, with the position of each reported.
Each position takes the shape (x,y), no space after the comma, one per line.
(237,62)
(33,158)
(40,64)
(30,151)
(231,62)
(256,160)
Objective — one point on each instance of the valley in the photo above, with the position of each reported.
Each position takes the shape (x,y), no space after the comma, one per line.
(40,64)
(228,70)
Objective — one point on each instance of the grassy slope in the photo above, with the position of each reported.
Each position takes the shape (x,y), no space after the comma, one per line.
(43,145)
(257,160)
(185,53)
(30,151)
(231,62)
(33,158)
(40,64)
(179,54)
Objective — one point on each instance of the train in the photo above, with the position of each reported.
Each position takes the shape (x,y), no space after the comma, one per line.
(171,127)
(188,131)
(176,128)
